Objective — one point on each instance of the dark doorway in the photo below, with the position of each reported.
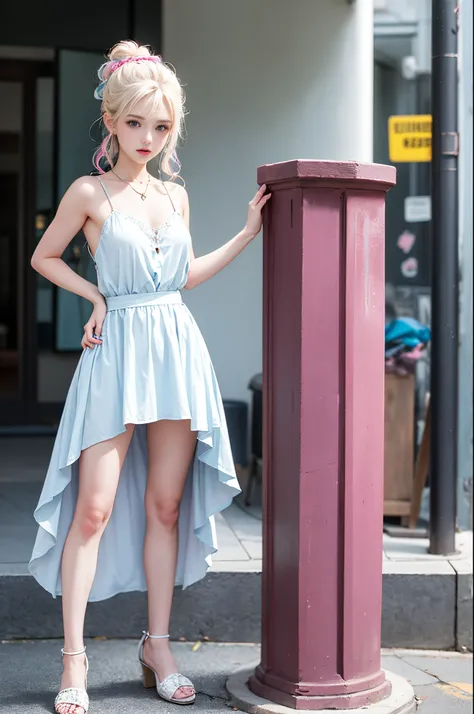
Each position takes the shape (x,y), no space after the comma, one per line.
(21,84)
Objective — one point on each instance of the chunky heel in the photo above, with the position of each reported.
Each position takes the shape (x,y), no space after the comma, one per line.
(149,681)
(170,685)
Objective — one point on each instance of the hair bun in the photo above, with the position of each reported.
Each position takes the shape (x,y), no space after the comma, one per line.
(128,48)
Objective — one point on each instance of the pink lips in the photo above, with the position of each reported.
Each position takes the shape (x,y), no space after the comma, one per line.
(145,152)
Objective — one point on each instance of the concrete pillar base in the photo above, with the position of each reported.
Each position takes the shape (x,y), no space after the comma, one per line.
(401,700)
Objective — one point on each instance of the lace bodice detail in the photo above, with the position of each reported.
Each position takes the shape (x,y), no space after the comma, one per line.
(133,257)
(155,235)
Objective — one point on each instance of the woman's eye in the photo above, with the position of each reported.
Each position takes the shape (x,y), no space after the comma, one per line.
(162,127)
(132,123)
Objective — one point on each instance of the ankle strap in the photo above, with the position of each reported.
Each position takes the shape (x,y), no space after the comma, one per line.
(79,652)
(155,637)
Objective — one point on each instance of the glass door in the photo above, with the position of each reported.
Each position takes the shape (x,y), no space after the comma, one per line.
(78,137)
(11,98)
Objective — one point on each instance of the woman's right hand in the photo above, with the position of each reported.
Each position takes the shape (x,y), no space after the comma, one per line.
(93,328)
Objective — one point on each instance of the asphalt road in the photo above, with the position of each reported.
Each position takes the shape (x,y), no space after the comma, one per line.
(30,671)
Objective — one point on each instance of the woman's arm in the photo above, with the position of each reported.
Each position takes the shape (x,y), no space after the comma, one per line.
(68,221)
(71,215)
(207,266)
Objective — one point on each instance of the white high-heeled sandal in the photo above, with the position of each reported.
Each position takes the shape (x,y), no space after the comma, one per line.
(72,695)
(171,683)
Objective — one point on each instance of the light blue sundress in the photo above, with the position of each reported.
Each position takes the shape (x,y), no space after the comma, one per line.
(152,364)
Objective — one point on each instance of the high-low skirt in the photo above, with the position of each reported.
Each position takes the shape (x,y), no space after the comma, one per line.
(153,364)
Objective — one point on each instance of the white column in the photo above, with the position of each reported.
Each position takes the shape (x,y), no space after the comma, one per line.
(266,81)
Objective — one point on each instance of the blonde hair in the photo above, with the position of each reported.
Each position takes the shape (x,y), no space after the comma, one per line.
(130,74)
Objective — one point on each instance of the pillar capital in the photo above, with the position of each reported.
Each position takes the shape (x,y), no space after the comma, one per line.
(299,172)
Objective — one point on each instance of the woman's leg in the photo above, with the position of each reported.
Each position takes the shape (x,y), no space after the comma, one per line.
(99,471)
(171,446)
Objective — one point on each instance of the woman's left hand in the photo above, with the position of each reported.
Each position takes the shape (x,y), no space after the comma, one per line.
(254,218)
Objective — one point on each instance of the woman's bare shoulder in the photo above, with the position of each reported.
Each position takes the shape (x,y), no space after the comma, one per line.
(82,191)
(178,194)
(82,196)
(85,187)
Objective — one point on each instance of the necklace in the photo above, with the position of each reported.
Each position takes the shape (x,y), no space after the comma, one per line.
(142,195)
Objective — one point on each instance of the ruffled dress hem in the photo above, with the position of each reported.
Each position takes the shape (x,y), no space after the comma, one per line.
(210,486)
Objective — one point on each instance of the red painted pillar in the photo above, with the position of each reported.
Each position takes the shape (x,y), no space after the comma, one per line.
(323,434)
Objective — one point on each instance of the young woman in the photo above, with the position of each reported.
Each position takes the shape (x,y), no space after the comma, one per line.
(142,460)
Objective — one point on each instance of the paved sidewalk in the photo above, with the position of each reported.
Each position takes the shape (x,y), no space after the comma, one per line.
(239,529)
(232,591)
(30,674)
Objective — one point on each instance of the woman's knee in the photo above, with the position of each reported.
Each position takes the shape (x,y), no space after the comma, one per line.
(164,510)
(91,520)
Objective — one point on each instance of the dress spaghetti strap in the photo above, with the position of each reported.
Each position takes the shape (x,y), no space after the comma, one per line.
(112,210)
(106,193)
(169,196)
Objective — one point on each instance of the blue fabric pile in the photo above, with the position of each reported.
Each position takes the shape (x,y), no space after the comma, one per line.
(405,343)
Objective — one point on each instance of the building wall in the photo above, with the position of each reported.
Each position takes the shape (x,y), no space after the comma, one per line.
(465,466)
(395,95)
(265,82)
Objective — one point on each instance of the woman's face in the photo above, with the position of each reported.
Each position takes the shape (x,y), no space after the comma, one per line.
(142,134)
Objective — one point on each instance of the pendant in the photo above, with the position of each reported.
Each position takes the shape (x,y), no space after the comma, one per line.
(157,250)
(142,196)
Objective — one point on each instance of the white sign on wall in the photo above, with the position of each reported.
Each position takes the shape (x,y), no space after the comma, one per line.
(417,209)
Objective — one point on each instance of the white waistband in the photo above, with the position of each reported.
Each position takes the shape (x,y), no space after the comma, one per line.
(163,297)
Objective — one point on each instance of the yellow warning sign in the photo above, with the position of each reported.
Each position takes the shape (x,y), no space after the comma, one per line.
(409,138)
